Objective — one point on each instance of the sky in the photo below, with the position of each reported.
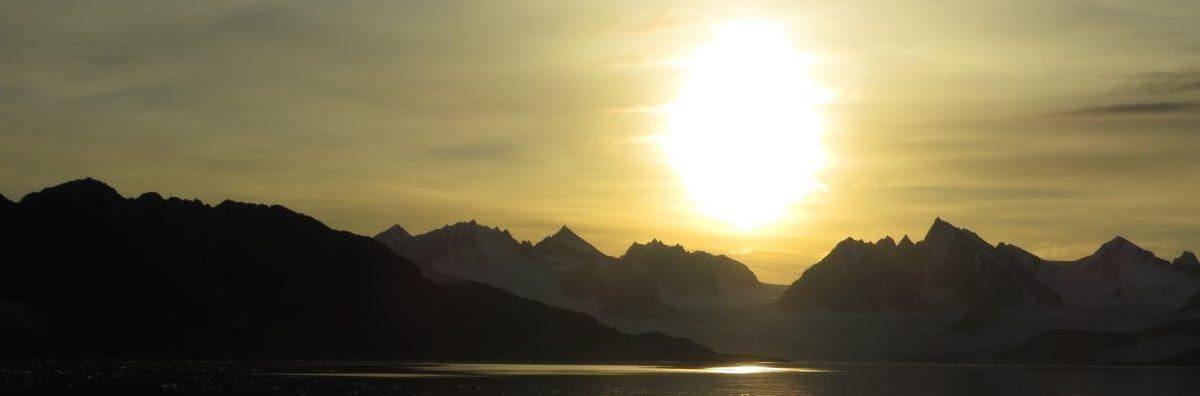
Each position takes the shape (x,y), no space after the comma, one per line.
(1054,125)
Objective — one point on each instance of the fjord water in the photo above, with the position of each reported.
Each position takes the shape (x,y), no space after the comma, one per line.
(244,378)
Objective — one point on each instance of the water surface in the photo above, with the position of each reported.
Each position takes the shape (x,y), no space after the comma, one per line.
(258,378)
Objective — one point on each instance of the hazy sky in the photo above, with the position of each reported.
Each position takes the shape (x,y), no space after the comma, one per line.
(1054,125)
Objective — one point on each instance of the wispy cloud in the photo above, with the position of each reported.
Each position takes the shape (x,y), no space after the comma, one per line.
(1167,82)
(1147,108)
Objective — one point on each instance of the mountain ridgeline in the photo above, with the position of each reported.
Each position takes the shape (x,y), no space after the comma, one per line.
(950,267)
(89,273)
(932,299)
(955,268)
(564,269)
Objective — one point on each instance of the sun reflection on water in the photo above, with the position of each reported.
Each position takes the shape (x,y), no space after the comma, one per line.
(501,369)
(752,369)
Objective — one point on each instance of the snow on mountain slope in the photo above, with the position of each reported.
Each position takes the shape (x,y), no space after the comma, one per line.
(565,270)
(1119,273)
(951,268)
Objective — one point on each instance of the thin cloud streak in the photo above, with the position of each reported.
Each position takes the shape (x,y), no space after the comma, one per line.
(1138,108)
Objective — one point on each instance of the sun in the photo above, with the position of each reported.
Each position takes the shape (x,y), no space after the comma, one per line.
(744,132)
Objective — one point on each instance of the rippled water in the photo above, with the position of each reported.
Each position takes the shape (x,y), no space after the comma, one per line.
(246,378)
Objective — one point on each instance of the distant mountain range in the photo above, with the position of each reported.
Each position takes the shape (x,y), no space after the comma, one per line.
(564,269)
(955,268)
(89,273)
(951,296)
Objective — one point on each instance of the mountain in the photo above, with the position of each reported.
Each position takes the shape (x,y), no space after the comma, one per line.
(682,272)
(89,273)
(566,249)
(858,276)
(951,268)
(394,236)
(1187,263)
(954,267)
(566,270)
(468,250)
(1120,273)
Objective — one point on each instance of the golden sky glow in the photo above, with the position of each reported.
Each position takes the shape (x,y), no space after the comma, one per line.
(1050,124)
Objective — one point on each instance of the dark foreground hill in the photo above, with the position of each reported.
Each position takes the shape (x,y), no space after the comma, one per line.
(86,272)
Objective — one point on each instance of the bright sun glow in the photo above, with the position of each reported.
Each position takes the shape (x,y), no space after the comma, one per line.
(744,133)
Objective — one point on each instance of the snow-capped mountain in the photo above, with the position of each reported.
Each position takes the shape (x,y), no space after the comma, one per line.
(952,267)
(468,250)
(565,250)
(905,299)
(566,270)
(1120,273)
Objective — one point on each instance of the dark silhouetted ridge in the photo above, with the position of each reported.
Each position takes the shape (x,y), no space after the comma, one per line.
(88,273)
(83,194)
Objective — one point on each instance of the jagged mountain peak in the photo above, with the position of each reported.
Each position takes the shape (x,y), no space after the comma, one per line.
(474,226)
(565,237)
(939,223)
(944,234)
(850,241)
(394,233)
(655,246)
(951,267)
(886,241)
(565,233)
(1186,257)
(397,230)
(1118,245)
(941,228)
